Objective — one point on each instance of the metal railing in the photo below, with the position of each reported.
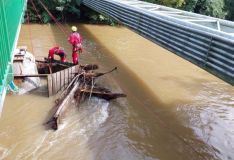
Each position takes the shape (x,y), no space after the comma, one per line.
(210,49)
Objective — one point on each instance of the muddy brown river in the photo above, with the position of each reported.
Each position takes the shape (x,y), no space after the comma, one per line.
(174,110)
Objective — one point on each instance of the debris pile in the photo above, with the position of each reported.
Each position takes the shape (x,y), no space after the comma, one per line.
(81,87)
(71,82)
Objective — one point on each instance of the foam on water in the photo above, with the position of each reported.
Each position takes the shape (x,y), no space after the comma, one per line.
(76,127)
(3,152)
(95,114)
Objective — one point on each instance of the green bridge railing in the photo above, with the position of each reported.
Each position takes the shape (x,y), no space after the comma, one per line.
(11,13)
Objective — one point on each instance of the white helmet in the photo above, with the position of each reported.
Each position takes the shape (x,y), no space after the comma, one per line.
(74,28)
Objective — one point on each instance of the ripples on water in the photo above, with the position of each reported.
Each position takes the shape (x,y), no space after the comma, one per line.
(76,128)
(211,116)
(95,130)
(78,125)
(101,130)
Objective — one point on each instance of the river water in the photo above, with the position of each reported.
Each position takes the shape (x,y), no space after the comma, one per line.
(174,110)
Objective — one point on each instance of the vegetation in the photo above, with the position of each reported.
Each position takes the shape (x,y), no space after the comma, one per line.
(70,10)
(215,8)
(64,10)
(169,3)
(229,7)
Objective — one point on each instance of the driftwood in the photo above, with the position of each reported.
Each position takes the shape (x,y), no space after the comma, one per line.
(89,77)
(89,67)
(95,75)
(98,93)
(80,87)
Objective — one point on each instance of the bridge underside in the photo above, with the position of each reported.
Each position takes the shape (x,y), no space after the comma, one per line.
(205,41)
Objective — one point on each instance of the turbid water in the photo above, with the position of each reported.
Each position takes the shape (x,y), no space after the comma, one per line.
(174,110)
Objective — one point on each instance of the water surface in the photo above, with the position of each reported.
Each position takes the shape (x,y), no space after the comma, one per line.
(174,110)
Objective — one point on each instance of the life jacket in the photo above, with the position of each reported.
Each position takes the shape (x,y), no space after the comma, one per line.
(52,52)
(60,52)
(75,39)
(56,51)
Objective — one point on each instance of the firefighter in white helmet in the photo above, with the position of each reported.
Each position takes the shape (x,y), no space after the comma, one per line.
(76,41)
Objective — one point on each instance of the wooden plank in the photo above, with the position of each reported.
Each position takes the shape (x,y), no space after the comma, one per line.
(61,79)
(73,71)
(30,75)
(65,78)
(50,69)
(50,85)
(54,83)
(18,55)
(18,60)
(56,87)
(71,74)
(58,81)
(68,75)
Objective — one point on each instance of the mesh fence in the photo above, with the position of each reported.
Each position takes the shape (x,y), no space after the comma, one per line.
(11,12)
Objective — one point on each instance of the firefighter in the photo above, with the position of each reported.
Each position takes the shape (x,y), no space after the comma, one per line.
(76,41)
(57,51)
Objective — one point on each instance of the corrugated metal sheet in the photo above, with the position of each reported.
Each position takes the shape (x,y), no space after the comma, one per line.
(211,49)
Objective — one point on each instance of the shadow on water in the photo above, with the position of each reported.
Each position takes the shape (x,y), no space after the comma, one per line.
(150,129)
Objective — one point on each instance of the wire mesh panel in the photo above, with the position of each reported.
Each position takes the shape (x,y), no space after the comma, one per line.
(11,12)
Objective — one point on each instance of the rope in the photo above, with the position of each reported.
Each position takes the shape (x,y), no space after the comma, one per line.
(54,19)
(64,30)
(34,7)
(30,35)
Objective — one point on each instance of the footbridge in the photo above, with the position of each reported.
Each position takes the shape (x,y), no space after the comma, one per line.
(205,41)
(11,13)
